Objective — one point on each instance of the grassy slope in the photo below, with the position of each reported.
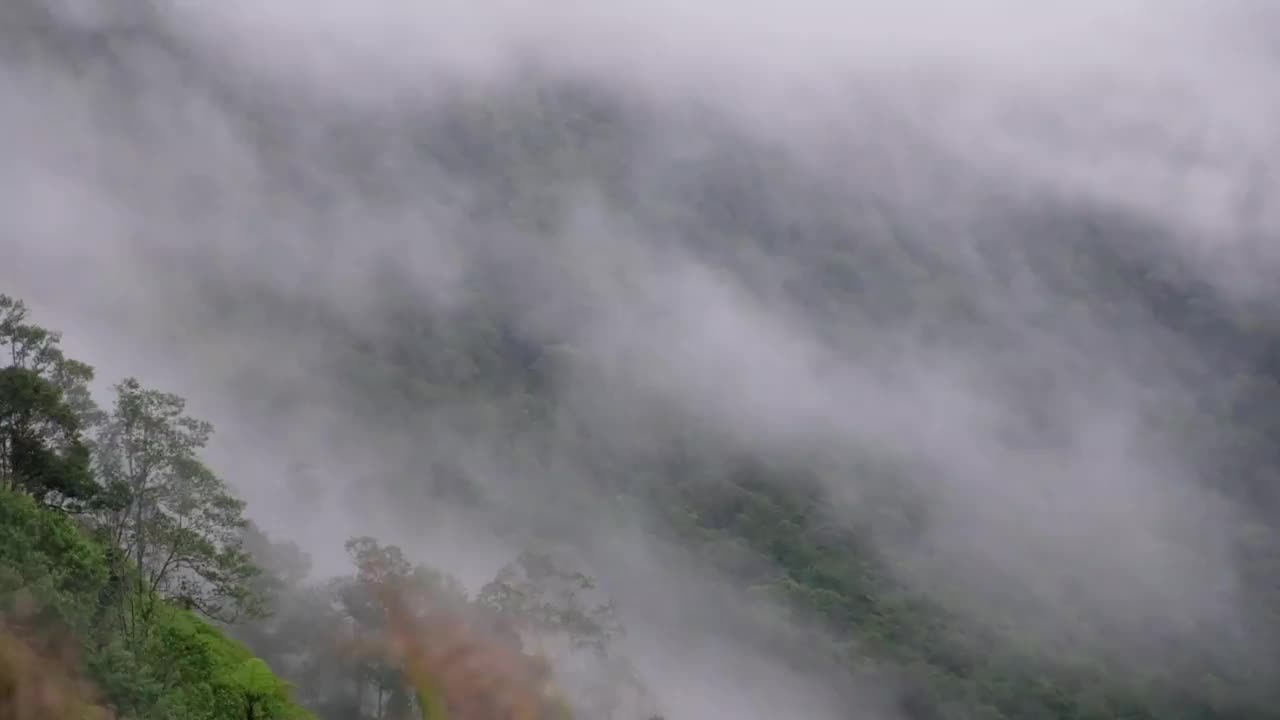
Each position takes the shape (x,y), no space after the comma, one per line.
(55,578)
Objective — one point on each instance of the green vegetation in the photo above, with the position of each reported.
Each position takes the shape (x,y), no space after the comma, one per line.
(100,508)
(172,664)
(397,640)
(114,534)
(112,528)
(760,521)
(952,667)
(122,553)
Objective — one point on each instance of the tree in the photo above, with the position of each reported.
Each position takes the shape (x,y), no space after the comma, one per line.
(283,566)
(386,583)
(44,404)
(176,525)
(550,603)
(559,610)
(41,452)
(34,348)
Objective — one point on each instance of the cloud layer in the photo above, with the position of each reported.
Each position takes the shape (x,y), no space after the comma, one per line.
(208,194)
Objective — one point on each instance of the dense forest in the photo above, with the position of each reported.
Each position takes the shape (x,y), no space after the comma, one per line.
(558,392)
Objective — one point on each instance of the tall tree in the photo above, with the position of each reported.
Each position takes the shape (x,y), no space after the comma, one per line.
(561,611)
(44,404)
(552,604)
(176,524)
(418,592)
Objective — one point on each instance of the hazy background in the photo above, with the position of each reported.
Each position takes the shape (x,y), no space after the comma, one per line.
(264,206)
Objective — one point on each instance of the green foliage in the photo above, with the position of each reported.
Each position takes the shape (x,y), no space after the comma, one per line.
(46,556)
(432,704)
(177,523)
(763,527)
(162,528)
(183,667)
(44,405)
(209,676)
(951,668)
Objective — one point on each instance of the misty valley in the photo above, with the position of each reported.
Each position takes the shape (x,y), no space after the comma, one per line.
(401,361)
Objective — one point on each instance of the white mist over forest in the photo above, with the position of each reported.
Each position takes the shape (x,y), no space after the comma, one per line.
(856,243)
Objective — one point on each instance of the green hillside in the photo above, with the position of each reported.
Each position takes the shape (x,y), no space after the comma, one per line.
(945,395)
(70,576)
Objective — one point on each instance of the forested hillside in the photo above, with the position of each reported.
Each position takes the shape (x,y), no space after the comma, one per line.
(622,362)
(117,538)
(118,550)
(119,542)
(125,561)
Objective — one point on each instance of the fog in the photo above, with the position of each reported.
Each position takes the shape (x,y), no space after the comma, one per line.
(221,198)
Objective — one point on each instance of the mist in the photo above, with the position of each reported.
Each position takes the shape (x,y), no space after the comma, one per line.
(225,198)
